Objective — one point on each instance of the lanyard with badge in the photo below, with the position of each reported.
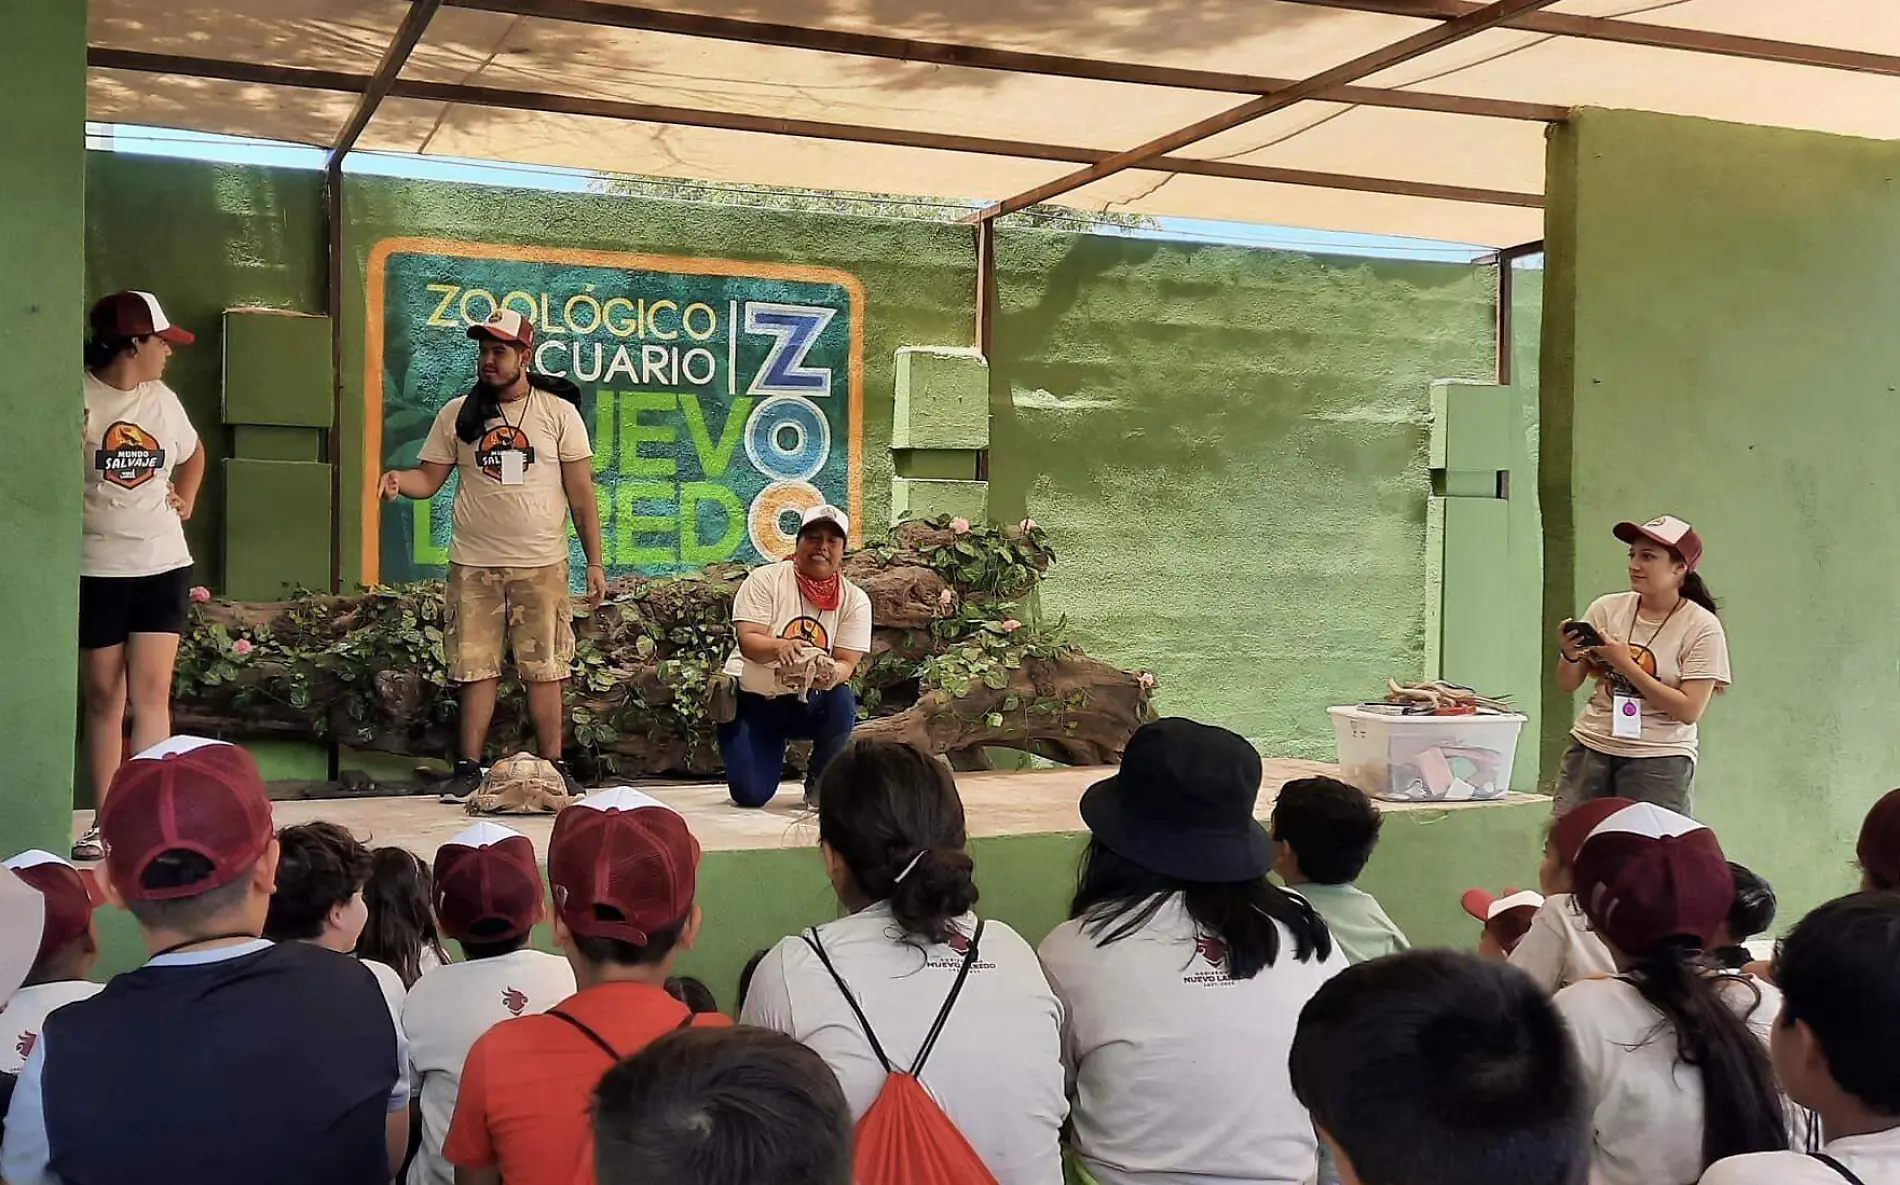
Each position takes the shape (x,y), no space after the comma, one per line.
(1626,706)
(513,459)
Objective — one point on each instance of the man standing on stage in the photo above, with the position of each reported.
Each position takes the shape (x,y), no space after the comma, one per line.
(519,443)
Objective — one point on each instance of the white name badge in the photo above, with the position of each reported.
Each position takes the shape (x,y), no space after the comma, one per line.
(1626,717)
(514,469)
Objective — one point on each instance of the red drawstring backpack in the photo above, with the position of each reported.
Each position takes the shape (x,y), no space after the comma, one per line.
(905,1138)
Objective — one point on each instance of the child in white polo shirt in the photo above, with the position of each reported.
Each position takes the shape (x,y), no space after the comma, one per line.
(1559,949)
(67,951)
(1837,1047)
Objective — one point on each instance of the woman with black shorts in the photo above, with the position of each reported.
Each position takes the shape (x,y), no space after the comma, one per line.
(143,469)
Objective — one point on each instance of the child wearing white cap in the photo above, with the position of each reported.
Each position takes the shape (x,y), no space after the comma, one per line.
(64,958)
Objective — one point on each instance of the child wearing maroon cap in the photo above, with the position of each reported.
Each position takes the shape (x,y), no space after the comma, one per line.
(68,949)
(623,867)
(1674,1049)
(488,896)
(1560,949)
(226,1059)
(1878,850)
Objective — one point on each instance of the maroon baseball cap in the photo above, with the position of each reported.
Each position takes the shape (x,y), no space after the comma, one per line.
(135,314)
(623,865)
(1508,918)
(1879,846)
(1669,531)
(487,885)
(71,896)
(1647,875)
(506,325)
(1570,830)
(186,794)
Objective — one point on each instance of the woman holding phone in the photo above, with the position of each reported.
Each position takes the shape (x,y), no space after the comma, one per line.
(1658,654)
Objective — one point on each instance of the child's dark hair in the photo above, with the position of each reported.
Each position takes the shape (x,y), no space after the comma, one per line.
(892,814)
(1742,1107)
(1837,970)
(1438,1068)
(604,952)
(1331,827)
(730,1106)
(1753,913)
(1116,897)
(321,866)
(746,973)
(181,915)
(401,924)
(692,992)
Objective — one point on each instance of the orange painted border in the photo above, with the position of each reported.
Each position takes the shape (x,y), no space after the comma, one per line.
(378,260)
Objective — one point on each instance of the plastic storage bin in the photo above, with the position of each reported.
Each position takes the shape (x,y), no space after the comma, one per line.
(1426,758)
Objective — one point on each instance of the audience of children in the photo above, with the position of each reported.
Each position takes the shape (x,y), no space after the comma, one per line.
(1438,1068)
(623,868)
(1181,971)
(1323,835)
(740,1106)
(62,961)
(1673,1048)
(226,1057)
(488,896)
(401,928)
(869,992)
(1560,949)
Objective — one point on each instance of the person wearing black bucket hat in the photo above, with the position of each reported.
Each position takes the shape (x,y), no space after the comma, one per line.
(1184,970)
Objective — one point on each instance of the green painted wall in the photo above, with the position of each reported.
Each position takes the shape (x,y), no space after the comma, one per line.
(205,238)
(1229,449)
(1721,344)
(42,323)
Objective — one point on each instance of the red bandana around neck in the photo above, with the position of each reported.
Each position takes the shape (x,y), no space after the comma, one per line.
(824,595)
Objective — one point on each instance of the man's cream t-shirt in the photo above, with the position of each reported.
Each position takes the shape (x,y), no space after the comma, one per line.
(134,439)
(770,597)
(1690,645)
(511,526)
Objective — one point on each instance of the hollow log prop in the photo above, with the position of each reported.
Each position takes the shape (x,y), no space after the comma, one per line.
(952,667)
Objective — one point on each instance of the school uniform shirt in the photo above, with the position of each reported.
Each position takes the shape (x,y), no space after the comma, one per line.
(1180,1069)
(1647,1105)
(450,1008)
(510,526)
(134,439)
(1358,923)
(528,1085)
(1691,645)
(770,597)
(389,982)
(996,1070)
(1560,948)
(26,1010)
(1874,1158)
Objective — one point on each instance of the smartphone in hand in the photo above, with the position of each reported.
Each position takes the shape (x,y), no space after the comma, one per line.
(1584,634)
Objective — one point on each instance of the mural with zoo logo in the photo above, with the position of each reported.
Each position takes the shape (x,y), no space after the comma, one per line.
(722,398)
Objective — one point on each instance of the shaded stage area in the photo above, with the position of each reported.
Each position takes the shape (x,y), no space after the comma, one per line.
(761,877)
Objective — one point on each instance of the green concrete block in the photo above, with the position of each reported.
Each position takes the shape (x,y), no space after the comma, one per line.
(267,442)
(277,369)
(1473,427)
(1475,595)
(943,399)
(913,498)
(276,528)
(941,464)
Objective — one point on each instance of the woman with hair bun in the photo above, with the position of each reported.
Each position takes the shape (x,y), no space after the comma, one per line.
(891,830)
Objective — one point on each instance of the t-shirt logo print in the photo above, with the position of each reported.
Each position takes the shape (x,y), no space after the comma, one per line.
(514,1000)
(808,630)
(957,940)
(498,440)
(24,1046)
(1212,948)
(128,455)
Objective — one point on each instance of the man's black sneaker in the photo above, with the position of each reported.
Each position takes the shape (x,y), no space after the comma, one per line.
(464,780)
(573,785)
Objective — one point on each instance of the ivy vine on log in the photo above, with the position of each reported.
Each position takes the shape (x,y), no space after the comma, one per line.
(957,661)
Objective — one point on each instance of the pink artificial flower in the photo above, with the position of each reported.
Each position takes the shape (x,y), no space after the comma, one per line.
(1028,525)
(242,647)
(947,598)
(960,526)
(1011,626)
(200,594)
(1146,680)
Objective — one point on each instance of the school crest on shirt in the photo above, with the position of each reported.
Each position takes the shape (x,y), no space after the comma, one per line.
(1208,967)
(24,1046)
(503,438)
(958,942)
(808,630)
(128,455)
(514,1000)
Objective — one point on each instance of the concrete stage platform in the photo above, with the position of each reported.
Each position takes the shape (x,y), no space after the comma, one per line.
(761,878)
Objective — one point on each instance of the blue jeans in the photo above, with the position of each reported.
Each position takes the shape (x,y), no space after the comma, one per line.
(753,745)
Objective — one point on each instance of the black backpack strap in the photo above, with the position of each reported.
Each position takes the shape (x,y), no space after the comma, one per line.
(949,1001)
(811,939)
(1837,1166)
(591,1035)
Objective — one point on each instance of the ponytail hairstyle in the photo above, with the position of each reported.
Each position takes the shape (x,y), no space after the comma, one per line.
(102,349)
(1694,588)
(1742,1110)
(401,925)
(1115,897)
(891,812)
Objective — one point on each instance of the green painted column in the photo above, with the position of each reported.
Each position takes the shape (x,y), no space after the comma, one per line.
(42,314)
